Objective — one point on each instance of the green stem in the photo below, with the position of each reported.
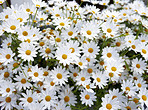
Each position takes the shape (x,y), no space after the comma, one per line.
(34,18)
(2,6)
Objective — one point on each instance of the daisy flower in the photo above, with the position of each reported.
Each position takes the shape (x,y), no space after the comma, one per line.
(67,96)
(6,74)
(2,1)
(39,3)
(82,62)
(138,66)
(87,98)
(29,98)
(27,51)
(6,55)
(48,98)
(128,87)
(109,104)
(6,88)
(100,79)
(36,73)
(129,105)
(59,75)
(11,25)
(143,95)
(7,42)
(8,102)
(61,23)
(90,49)
(63,53)
(29,8)
(21,81)
(140,83)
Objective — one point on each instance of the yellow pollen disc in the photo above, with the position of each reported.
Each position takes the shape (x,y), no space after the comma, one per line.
(25,33)
(85,42)
(57,15)
(6,74)
(23,81)
(127,89)
(142,40)
(58,39)
(62,24)
(29,70)
(6,16)
(104,3)
(111,74)
(77,13)
(42,43)
(118,44)
(80,63)
(87,86)
(101,63)
(45,73)
(87,97)
(144,97)
(114,69)
(64,56)
(93,12)
(138,65)
(20,19)
(52,83)
(88,32)
(144,51)
(8,99)
(130,41)
(59,76)
(28,40)
(133,46)
(48,50)
(41,19)
(109,55)
(124,14)
(128,108)
(75,74)
(109,30)
(48,98)
(73,50)
(9,44)
(82,79)
(136,100)
(13,27)
(8,56)
(28,52)
(28,10)
(40,83)
(115,20)
(90,50)
(29,99)
(98,79)
(114,97)
(36,74)
(8,90)
(70,33)
(66,99)
(37,5)
(15,65)
(88,59)
(108,106)
(89,70)
(139,85)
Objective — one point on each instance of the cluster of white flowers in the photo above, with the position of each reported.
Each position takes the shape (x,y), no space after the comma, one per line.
(64,56)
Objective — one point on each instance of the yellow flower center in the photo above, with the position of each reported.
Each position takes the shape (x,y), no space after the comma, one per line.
(23,81)
(108,106)
(15,65)
(139,85)
(101,63)
(25,33)
(13,27)
(8,56)
(133,46)
(114,97)
(87,86)
(58,39)
(20,19)
(136,100)
(87,97)
(48,50)
(98,79)
(36,74)
(6,16)
(118,44)
(144,51)
(64,56)
(6,74)
(144,97)
(73,50)
(89,70)
(138,65)
(128,108)
(127,89)
(66,98)
(40,83)
(80,63)
(114,69)
(109,55)
(45,73)
(70,33)
(90,50)
(42,43)
(82,79)
(28,52)
(57,15)
(28,10)
(88,32)
(111,74)
(75,74)
(8,99)
(88,59)
(8,90)
(29,99)
(62,24)
(52,83)
(9,44)
(59,76)
(48,98)
(109,30)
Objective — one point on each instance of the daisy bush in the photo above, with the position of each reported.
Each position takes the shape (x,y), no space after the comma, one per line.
(63,55)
